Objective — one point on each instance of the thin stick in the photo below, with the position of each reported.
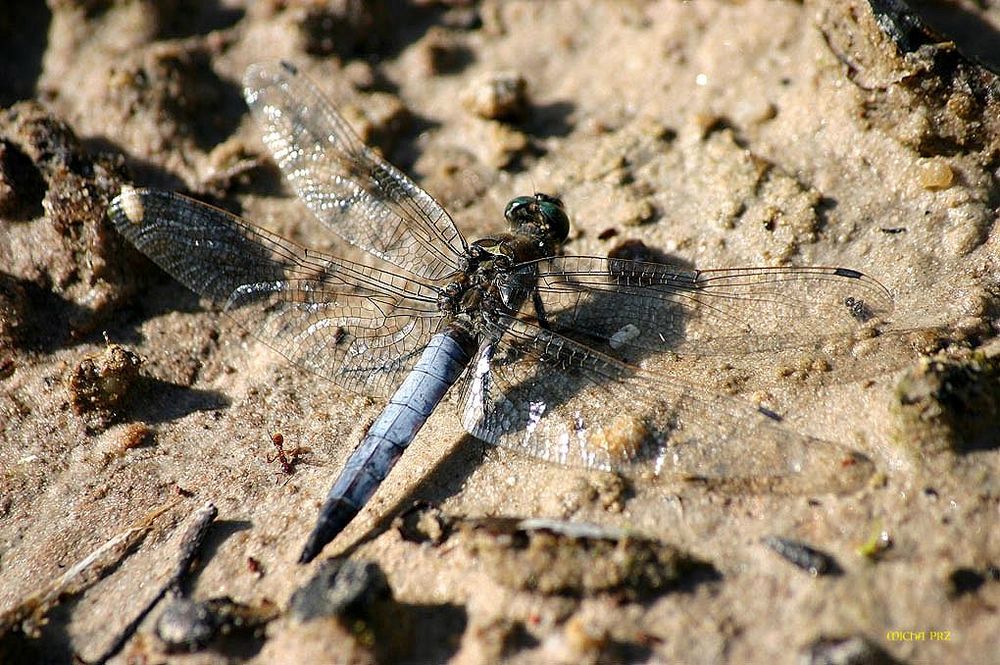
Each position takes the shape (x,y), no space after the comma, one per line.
(30,613)
(190,542)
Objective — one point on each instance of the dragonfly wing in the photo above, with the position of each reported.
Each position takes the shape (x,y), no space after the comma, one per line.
(536,391)
(658,307)
(356,325)
(352,190)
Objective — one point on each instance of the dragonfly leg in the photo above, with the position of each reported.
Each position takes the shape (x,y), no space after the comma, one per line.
(536,300)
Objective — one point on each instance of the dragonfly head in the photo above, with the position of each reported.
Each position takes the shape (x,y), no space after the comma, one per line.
(540,214)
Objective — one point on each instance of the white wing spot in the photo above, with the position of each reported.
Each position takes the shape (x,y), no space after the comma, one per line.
(131,204)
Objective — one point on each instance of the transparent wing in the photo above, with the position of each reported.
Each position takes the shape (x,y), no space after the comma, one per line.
(657,307)
(543,394)
(360,196)
(359,326)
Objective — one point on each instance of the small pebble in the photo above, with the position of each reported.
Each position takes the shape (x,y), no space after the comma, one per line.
(803,556)
(497,96)
(934,174)
(186,626)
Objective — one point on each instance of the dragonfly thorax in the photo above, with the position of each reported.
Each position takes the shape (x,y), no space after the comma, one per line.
(492,278)
(486,259)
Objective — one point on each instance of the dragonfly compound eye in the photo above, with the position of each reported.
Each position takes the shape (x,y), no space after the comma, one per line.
(516,209)
(555,217)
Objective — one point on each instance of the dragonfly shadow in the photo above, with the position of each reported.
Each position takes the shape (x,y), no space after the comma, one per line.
(649,340)
(164,297)
(169,296)
(444,480)
(602,320)
(580,402)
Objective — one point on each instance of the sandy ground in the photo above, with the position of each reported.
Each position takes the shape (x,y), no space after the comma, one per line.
(718,133)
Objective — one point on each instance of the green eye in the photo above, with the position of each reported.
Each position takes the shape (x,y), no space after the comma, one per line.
(514,205)
(545,212)
(555,215)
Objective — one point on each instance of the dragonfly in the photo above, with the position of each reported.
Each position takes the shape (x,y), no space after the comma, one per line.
(550,354)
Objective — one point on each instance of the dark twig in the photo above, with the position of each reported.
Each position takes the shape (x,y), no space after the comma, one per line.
(190,542)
